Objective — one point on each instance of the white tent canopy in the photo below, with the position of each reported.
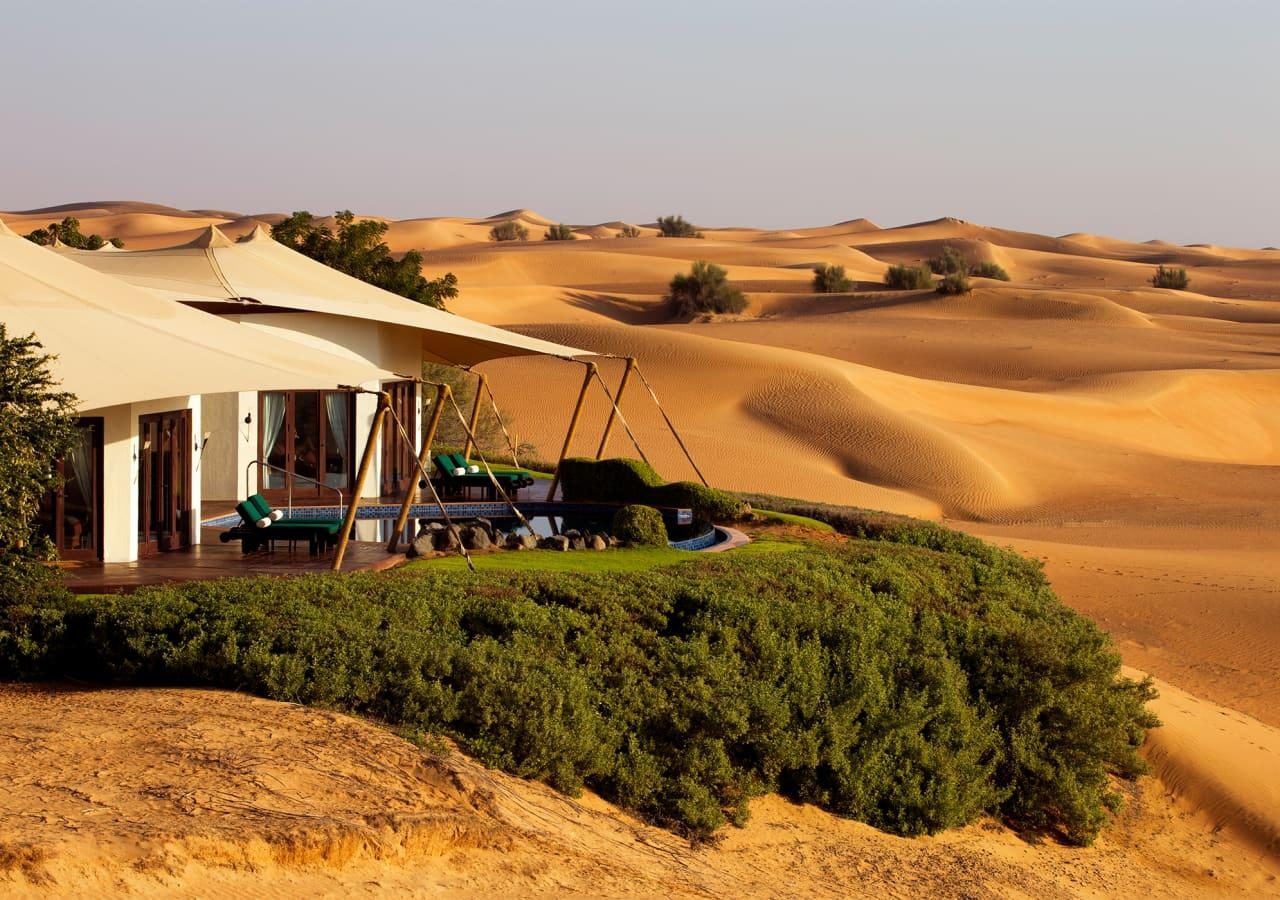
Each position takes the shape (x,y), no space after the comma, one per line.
(260,274)
(116,344)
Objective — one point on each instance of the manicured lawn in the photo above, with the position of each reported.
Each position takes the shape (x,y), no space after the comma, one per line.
(631,559)
(791,519)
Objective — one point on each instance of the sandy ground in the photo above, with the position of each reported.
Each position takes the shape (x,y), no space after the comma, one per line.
(213,794)
(1127,436)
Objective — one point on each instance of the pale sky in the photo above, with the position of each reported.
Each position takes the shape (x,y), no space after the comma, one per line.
(1134,119)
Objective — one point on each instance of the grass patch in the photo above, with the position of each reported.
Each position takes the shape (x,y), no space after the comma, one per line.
(783,518)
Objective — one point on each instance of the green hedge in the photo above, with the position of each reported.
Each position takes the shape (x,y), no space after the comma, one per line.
(907,687)
(633,481)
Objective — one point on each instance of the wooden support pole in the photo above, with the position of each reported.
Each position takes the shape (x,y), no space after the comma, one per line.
(475,415)
(573,427)
(617,405)
(366,462)
(424,456)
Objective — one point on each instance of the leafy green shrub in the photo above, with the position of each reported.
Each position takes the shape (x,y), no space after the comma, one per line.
(677,227)
(989,270)
(954,283)
(1175,279)
(509,231)
(633,481)
(909,687)
(908,278)
(628,231)
(639,525)
(561,232)
(950,262)
(830,279)
(705,289)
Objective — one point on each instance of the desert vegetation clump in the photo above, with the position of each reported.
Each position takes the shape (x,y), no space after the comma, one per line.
(641,526)
(828,279)
(954,283)
(68,232)
(628,231)
(989,270)
(908,278)
(677,227)
(950,261)
(634,481)
(357,249)
(509,231)
(561,232)
(914,679)
(705,289)
(1175,279)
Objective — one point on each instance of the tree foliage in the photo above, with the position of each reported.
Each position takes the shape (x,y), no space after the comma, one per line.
(628,231)
(705,289)
(908,278)
(830,279)
(509,231)
(561,232)
(1176,279)
(677,227)
(358,250)
(37,428)
(68,232)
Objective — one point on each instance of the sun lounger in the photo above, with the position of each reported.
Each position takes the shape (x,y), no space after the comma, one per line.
(261,526)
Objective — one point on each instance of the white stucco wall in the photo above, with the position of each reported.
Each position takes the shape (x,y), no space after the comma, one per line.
(120,473)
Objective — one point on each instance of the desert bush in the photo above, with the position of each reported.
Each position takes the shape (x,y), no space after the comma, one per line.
(705,289)
(561,232)
(954,283)
(68,232)
(830,279)
(639,525)
(628,231)
(906,686)
(676,226)
(908,278)
(951,261)
(989,270)
(509,231)
(1176,279)
(708,504)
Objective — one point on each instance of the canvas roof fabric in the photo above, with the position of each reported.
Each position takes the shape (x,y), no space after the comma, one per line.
(118,344)
(260,272)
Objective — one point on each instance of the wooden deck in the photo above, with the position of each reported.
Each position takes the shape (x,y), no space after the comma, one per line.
(212,559)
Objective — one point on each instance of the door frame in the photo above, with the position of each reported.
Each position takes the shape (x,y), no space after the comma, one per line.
(57,499)
(304,489)
(179,461)
(400,463)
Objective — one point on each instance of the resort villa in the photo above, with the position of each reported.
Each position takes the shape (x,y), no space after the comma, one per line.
(220,369)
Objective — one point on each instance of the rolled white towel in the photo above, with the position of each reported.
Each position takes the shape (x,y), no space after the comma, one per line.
(459,471)
(473,470)
(277,515)
(264,522)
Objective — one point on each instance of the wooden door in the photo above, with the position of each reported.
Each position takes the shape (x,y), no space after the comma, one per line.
(71,517)
(306,439)
(164,482)
(399,459)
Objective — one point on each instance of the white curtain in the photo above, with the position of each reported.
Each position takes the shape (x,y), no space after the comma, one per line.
(336,409)
(81,459)
(272,423)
